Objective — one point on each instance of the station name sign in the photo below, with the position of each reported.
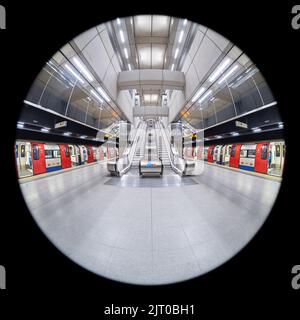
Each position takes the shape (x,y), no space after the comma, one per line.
(241,124)
(60,124)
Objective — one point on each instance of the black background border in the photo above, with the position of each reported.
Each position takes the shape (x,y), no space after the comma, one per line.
(35,31)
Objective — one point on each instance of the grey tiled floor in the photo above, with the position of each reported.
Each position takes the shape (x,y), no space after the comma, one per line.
(150,235)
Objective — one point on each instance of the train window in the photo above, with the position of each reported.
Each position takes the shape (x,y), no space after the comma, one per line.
(243,153)
(251,153)
(35,150)
(67,152)
(22,150)
(264,151)
(233,149)
(89,151)
(48,154)
(56,153)
(277,150)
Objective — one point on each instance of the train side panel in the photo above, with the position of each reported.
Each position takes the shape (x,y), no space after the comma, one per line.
(38,157)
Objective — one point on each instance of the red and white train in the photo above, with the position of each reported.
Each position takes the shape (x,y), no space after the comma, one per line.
(34,158)
(264,156)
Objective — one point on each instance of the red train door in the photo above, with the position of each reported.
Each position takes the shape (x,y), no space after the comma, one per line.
(65,156)
(261,157)
(210,154)
(90,154)
(235,156)
(38,158)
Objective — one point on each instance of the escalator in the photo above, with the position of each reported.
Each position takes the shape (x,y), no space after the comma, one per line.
(151,164)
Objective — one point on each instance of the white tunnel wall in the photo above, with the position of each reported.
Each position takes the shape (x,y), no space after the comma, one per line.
(97,49)
(206,48)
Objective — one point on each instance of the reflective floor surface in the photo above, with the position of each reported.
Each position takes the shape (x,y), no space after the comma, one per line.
(150,233)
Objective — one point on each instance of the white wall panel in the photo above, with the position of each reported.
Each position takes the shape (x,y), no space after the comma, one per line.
(107,44)
(176,104)
(96,55)
(220,41)
(191,82)
(195,45)
(83,39)
(187,63)
(205,57)
(116,64)
(110,81)
(125,104)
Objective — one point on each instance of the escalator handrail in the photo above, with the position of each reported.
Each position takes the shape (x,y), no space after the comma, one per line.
(132,151)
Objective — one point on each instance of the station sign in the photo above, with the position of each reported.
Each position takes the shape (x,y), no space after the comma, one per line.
(60,124)
(241,124)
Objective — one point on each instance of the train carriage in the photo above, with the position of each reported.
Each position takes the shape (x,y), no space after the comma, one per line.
(247,157)
(52,157)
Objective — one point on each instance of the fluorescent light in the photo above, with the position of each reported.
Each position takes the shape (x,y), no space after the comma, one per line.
(96,96)
(234,133)
(126,53)
(218,137)
(205,96)
(228,74)
(118,21)
(19,122)
(256,129)
(176,53)
(129,66)
(184,22)
(172,67)
(20,125)
(44,130)
(131,21)
(280,125)
(67,133)
(82,137)
(219,70)
(83,69)
(197,95)
(103,94)
(122,36)
(180,36)
(74,73)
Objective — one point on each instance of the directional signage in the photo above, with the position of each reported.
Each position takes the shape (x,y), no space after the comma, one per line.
(241,124)
(60,124)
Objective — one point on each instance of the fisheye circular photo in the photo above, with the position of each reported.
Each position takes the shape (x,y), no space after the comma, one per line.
(150,150)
